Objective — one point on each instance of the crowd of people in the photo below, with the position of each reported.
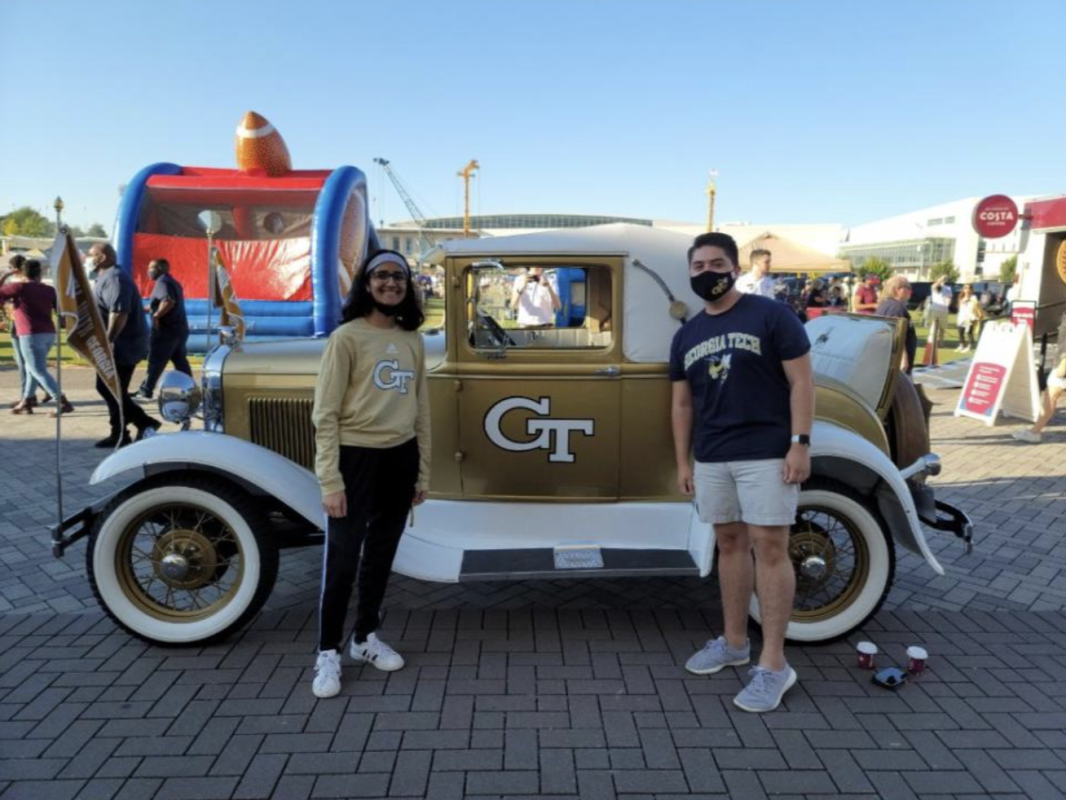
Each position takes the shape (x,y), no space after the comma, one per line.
(31,304)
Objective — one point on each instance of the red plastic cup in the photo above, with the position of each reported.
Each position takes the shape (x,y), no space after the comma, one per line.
(866,652)
(916,658)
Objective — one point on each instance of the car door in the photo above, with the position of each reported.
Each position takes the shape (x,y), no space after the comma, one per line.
(539,404)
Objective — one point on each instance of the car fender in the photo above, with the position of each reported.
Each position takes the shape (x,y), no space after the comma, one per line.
(245,463)
(846,457)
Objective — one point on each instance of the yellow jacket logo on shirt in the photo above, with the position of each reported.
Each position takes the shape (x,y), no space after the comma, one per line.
(388,375)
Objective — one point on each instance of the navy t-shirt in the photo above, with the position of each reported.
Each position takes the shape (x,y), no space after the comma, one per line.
(740,392)
(116,292)
(174,322)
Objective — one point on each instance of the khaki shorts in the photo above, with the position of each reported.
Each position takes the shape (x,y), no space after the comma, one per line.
(745,491)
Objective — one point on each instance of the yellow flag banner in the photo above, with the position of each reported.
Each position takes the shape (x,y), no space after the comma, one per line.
(79,313)
(225,297)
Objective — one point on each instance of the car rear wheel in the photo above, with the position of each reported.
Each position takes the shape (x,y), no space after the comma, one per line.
(181,562)
(844,563)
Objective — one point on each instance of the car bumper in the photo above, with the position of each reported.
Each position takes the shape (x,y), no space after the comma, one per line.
(938,515)
(76,527)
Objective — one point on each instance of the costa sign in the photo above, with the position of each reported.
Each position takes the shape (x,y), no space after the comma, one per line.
(995,216)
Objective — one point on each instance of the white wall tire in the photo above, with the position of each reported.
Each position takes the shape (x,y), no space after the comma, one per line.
(837,526)
(219,573)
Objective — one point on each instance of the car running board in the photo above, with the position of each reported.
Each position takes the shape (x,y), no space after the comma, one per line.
(574,562)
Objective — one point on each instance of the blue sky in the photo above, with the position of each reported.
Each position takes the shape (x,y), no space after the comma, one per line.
(811,112)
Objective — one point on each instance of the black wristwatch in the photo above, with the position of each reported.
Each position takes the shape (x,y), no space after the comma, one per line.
(801,438)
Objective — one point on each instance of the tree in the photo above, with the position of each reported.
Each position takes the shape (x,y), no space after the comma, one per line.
(945,269)
(27,221)
(96,229)
(875,266)
(1008,270)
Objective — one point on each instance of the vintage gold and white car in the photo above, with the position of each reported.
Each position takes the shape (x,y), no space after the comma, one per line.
(552,453)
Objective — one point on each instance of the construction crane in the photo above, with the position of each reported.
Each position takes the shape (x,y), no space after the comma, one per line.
(466,173)
(419,218)
(712,189)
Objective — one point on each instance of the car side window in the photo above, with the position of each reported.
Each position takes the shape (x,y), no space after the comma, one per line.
(539,307)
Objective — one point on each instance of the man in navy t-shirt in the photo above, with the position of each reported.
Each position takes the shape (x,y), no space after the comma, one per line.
(743,402)
(170,327)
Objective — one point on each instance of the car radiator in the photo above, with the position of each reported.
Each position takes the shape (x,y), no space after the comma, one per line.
(283,424)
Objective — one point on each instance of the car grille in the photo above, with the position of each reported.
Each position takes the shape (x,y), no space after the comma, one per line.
(283,424)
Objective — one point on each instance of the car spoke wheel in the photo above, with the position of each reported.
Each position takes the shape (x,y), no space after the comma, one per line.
(181,560)
(843,559)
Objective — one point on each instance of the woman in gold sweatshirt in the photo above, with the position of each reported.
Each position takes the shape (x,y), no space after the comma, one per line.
(371,419)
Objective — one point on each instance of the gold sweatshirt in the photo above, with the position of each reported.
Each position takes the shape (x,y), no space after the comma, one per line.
(371,392)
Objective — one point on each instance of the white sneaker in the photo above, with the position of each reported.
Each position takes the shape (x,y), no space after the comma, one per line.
(377,654)
(1026,435)
(959,349)
(327,674)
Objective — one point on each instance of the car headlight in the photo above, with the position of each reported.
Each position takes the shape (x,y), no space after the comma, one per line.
(212,388)
(179,398)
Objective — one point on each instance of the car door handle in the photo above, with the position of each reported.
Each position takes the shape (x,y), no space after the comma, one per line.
(609,371)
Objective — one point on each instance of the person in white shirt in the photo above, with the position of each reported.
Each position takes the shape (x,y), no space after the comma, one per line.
(534,299)
(940,305)
(758,280)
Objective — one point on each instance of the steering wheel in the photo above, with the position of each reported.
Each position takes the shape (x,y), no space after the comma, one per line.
(500,337)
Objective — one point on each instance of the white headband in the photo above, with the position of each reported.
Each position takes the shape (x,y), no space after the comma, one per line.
(387,258)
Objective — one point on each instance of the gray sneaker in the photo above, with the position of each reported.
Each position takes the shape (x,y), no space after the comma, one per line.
(766,689)
(716,656)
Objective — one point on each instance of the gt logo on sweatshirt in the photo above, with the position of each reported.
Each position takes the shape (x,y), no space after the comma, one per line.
(388,375)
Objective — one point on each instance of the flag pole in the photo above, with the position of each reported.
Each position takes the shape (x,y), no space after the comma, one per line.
(210,288)
(59,400)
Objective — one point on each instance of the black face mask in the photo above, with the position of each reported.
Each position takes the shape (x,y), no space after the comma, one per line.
(387,310)
(712,286)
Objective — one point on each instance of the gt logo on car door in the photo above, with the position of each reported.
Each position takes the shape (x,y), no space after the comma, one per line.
(551,434)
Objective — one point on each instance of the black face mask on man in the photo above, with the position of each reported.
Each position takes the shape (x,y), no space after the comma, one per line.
(712,286)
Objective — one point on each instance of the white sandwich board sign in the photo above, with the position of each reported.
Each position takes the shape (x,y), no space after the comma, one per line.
(1002,376)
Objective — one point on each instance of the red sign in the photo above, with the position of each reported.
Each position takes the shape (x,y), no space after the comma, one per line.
(1048,214)
(986,382)
(1023,311)
(995,216)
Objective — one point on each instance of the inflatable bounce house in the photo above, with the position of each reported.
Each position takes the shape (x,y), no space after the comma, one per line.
(290,239)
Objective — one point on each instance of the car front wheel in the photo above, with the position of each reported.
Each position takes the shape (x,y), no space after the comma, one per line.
(844,563)
(181,561)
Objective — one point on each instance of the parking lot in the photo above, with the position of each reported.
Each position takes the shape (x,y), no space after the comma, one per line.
(547,688)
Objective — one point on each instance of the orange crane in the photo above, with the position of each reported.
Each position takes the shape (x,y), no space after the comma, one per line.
(466,173)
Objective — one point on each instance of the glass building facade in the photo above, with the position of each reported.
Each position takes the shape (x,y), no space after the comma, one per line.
(914,256)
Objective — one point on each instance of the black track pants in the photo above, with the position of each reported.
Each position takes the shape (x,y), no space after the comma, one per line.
(380,484)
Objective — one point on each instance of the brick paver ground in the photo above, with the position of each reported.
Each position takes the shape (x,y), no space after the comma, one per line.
(554,689)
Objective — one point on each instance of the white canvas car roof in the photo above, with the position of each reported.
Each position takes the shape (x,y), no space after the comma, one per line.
(648,328)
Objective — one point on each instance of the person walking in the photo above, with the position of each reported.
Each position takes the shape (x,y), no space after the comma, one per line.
(969,315)
(1056,387)
(743,404)
(27,384)
(120,306)
(894,304)
(34,303)
(939,306)
(170,327)
(371,417)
